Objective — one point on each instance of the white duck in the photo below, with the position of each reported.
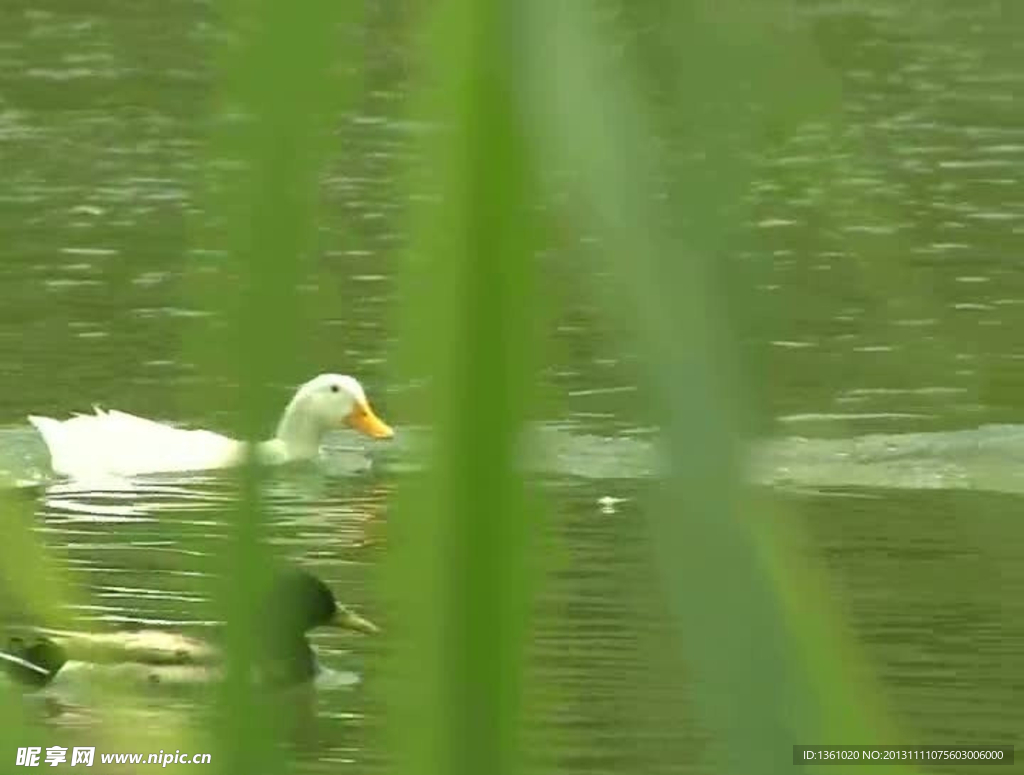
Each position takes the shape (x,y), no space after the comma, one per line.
(119,443)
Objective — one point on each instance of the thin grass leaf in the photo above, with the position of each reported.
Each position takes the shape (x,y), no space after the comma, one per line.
(460,571)
(764,676)
(281,98)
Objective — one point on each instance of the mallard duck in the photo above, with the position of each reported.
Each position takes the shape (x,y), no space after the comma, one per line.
(298,603)
(32,663)
(113,442)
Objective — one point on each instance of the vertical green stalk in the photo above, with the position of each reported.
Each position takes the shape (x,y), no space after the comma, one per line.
(280,103)
(460,554)
(770,668)
(34,589)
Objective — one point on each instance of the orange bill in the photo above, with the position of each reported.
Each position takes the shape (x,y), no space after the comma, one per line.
(365,421)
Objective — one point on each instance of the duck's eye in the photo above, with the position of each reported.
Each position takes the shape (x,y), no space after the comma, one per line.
(335,388)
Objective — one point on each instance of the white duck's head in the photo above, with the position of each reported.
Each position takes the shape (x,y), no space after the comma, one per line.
(326,402)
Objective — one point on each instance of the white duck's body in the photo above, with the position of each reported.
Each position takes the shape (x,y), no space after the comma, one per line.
(121,443)
(113,442)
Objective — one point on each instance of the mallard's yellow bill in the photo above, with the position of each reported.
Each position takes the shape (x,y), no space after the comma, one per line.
(350,620)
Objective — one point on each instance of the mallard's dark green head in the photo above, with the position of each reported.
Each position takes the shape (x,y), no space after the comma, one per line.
(302,602)
(32,663)
(299,603)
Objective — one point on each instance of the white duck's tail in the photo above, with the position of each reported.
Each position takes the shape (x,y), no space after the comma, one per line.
(74,444)
(50,430)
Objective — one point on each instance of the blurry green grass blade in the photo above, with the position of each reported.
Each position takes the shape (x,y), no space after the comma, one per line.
(281,104)
(281,99)
(36,589)
(763,675)
(460,568)
(825,645)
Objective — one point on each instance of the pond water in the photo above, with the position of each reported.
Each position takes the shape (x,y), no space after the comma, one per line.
(889,248)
